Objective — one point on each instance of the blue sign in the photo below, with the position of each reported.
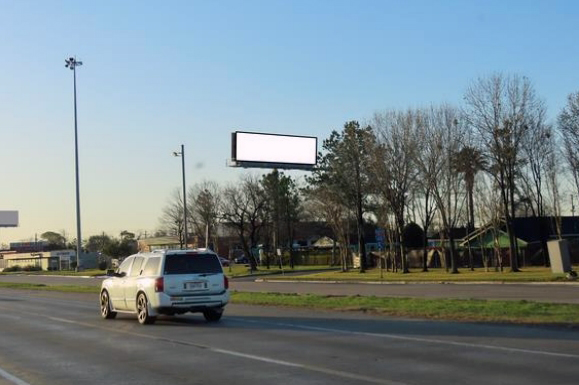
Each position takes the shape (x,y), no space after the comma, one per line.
(380,235)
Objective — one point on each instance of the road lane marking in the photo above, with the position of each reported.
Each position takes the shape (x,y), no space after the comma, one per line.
(12,378)
(338,373)
(414,339)
(318,369)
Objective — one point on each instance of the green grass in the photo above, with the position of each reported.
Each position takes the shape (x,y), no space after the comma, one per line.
(524,312)
(40,286)
(84,273)
(528,274)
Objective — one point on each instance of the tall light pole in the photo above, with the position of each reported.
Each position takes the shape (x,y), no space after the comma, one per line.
(182,155)
(72,63)
(207,201)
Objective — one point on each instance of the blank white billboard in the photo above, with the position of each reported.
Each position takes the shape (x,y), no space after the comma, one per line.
(8,218)
(274,150)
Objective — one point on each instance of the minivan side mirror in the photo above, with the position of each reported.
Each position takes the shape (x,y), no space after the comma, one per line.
(113,273)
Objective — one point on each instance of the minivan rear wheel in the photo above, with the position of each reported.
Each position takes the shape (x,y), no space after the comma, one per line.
(143,310)
(213,315)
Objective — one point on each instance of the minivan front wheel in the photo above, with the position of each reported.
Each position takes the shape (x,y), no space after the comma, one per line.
(143,310)
(106,308)
(213,315)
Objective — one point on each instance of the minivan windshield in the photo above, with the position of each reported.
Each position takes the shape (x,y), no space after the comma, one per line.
(192,264)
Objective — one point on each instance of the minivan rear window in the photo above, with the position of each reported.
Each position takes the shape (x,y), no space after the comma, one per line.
(192,264)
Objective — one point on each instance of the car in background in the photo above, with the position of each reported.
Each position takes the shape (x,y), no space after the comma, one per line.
(166,282)
(241,260)
(224,261)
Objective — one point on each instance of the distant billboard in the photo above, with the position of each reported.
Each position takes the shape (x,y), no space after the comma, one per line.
(252,149)
(8,218)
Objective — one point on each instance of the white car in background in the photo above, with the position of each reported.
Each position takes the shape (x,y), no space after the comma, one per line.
(166,282)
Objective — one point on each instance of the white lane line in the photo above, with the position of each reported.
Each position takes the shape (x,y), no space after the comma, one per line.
(318,369)
(415,339)
(12,378)
(338,373)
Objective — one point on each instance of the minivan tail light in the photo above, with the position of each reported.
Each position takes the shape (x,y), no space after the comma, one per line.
(225,282)
(159,285)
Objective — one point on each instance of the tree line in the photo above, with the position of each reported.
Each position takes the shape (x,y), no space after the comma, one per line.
(256,210)
(111,246)
(485,162)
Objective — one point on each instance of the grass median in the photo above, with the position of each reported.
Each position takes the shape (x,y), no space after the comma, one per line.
(519,312)
(527,274)
(523,312)
(40,286)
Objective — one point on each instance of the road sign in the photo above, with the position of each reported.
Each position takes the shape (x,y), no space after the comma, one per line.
(380,235)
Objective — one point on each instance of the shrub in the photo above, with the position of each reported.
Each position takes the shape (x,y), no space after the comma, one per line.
(31,268)
(12,269)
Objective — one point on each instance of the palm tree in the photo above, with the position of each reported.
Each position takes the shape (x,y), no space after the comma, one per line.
(469,161)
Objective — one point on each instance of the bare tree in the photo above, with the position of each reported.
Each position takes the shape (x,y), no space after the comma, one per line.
(171,221)
(205,201)
(394,169)
(446,131)
(568,124)
(538,148)
(428,164)
(243,209)
(501,109)
(328,205)
(553,170)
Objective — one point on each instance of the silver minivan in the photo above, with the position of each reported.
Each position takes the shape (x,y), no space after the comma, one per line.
(166,282)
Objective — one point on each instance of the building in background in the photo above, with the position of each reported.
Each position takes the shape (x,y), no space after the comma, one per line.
(47,260)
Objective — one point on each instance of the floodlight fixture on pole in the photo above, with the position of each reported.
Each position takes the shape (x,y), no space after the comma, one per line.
(72,63)
(182,155)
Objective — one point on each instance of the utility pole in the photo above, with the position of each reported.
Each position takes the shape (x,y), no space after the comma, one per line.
(72,63)
(182,155)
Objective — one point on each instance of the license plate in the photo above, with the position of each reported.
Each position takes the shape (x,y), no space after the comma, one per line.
(195,285)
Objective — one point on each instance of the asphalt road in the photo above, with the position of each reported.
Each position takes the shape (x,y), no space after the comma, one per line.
(547,292)
(58,338)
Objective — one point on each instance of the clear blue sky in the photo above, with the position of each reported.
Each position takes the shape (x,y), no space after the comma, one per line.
(160,74)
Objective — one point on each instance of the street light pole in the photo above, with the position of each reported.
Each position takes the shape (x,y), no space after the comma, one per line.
(207,201)
(72,63)
(182,155)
